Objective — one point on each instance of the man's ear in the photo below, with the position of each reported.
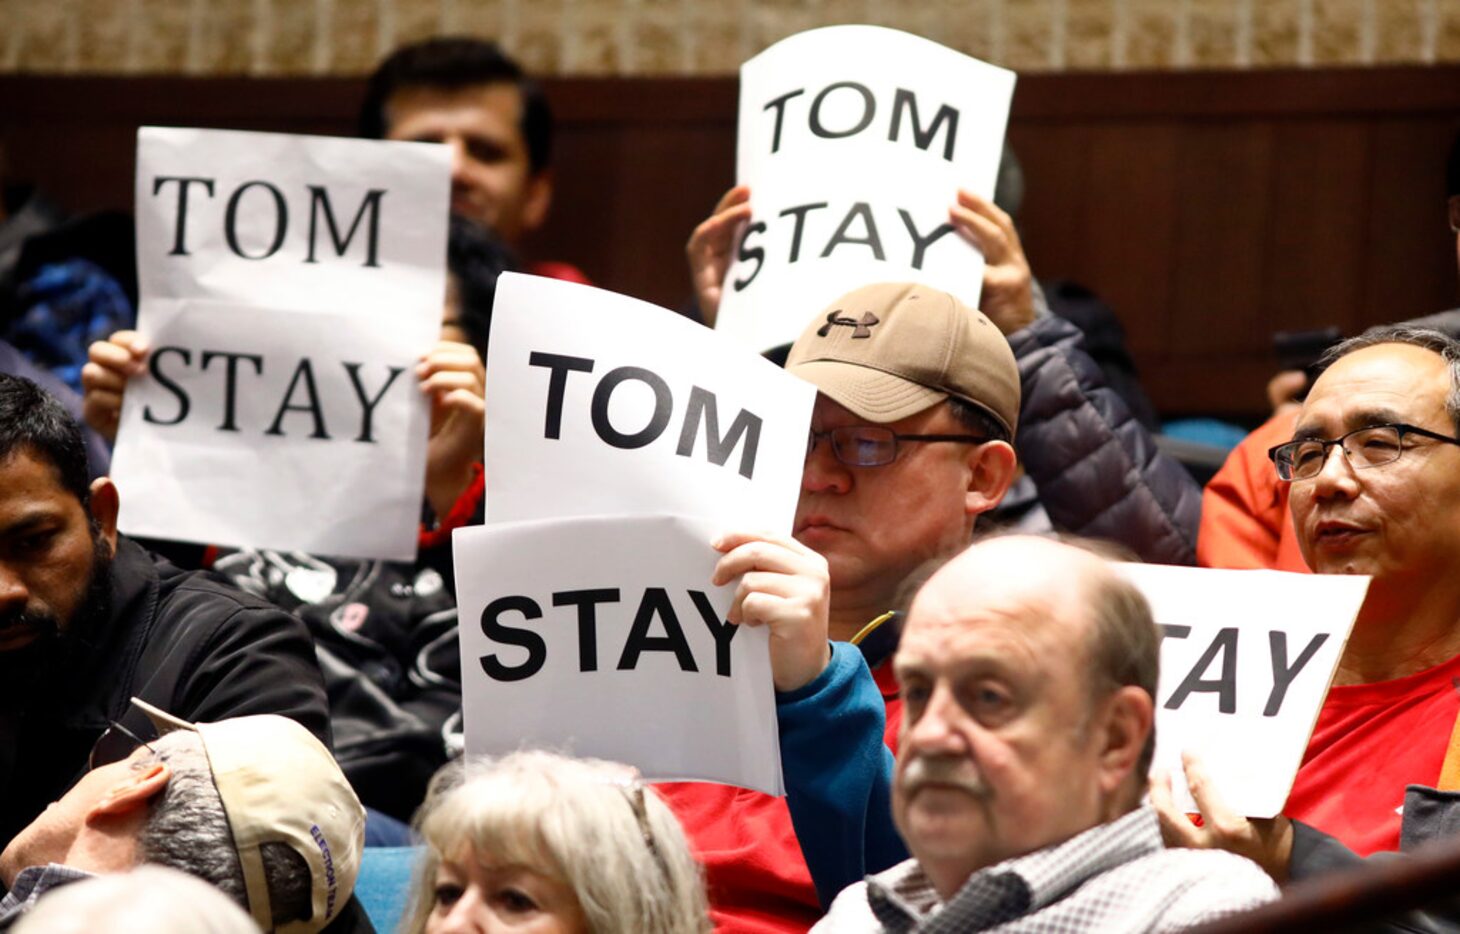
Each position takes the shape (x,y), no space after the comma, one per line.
(1129,716)
(539,199)
(131,793)
(104,505)
(991,468)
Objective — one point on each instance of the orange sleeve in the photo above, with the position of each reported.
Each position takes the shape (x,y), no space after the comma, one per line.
(1244,509)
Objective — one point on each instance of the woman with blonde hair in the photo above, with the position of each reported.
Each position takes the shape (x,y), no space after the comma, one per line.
(538,842)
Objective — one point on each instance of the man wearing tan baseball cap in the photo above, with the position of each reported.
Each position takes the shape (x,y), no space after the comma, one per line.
(254,805)
(910,441)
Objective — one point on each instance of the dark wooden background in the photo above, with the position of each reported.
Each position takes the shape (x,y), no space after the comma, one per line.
(1209,209)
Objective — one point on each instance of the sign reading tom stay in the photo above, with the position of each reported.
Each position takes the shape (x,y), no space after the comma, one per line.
(288,286)
(601,404)
(854,141)
(1246,660)
(615,647)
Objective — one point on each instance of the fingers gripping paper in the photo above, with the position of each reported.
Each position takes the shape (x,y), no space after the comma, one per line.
(1246,660)
(854,141)
(289,285)
(603,636)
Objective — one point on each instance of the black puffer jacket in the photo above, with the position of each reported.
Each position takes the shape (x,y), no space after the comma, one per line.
(1097,469)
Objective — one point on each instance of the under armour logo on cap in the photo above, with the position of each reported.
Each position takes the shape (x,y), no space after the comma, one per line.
(862,328)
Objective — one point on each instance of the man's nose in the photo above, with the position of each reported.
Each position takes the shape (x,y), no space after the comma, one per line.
(823,473)
(13,592)
(458,156)
(1336,478)
(935,731)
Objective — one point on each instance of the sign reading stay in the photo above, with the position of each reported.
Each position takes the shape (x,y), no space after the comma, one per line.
(1246,660)
(603,636)
(289,284)
(854,141)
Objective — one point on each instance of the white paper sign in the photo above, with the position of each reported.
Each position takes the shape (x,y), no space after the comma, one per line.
(289,286)
(1246,660)
(854,141)
(614,647)
(599,404)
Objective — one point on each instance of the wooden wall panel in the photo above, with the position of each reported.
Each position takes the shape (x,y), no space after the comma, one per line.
(1209,209)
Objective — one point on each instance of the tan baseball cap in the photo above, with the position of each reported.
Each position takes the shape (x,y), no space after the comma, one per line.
(281,785)
(889,350)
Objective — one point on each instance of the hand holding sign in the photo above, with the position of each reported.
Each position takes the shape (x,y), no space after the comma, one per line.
(454,378)
(1008,293)
(110,363)
(785,587)
(1268,842)
(711,250)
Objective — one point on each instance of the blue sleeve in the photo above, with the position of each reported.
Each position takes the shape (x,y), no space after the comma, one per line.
(838,773)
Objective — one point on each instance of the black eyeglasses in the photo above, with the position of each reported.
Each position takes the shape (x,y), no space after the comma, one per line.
(1371,446)
(114,745)
(873,445)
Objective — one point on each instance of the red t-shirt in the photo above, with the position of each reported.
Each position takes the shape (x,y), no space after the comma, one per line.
(1371,740)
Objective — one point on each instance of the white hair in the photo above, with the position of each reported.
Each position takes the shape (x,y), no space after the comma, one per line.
(577,821)
(150,898)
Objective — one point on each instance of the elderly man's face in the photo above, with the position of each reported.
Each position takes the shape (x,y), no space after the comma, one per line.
(1400,521)
(996,758)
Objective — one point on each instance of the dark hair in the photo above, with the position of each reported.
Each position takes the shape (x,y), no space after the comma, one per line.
(475,259)
(452,63)
(974,418)
(32,421)
(1427,338)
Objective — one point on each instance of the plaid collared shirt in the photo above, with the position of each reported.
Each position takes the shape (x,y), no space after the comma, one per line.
(31,884)
(1114,877)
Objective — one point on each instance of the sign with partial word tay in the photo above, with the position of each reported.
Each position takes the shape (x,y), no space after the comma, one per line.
(599,404)
(1246,661)
(603,637)
(289,284)
(854,141)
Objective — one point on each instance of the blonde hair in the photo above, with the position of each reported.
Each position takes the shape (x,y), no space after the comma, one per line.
(589,824)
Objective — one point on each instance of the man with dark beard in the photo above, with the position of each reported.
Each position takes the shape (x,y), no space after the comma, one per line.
(88,619)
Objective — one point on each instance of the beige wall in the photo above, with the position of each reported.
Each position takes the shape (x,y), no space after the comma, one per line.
(650,37)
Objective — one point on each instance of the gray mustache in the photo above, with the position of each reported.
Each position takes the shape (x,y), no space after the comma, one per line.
(946,771)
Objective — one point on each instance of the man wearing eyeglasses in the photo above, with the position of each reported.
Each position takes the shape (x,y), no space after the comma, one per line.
(1373,472)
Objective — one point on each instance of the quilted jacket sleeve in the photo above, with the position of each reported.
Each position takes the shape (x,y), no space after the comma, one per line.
(1098,470)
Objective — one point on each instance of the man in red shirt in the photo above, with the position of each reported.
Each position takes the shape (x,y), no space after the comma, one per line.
(1373,470)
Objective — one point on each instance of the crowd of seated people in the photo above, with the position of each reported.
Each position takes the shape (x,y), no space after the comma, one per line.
(965,713)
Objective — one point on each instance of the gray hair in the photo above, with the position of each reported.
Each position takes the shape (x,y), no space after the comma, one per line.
(188,830)
(586,823)
(150,898)
(1427,338)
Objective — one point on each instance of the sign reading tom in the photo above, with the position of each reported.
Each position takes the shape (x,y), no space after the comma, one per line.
(289,285)
(1246,660)
(615,647)
(598,404)
(854,141)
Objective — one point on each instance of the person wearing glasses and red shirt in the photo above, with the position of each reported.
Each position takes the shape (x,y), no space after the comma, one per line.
(1373,477)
